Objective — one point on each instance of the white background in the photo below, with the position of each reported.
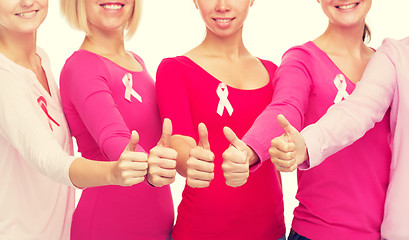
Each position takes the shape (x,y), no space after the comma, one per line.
(172,27)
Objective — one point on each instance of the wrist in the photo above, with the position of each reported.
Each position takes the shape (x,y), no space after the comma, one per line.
(252,156)
(111,175)
(147,180)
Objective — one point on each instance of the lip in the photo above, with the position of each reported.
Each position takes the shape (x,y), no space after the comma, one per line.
(27,14)
(112,6)
(348,6)
(223,19)
(223,22)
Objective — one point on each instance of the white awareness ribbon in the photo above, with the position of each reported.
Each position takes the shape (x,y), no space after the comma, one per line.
(222,93)
(129,91)
(341,85)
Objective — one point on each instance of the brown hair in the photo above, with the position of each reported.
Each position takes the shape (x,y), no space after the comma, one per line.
(366,37)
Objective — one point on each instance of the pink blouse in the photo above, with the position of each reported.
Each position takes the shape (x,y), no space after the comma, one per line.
(384,85)
(103,102)
(335,200)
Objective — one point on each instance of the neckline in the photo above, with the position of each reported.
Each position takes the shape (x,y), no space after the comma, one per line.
(119,66)
(229,86)
(35,80)
(330,60)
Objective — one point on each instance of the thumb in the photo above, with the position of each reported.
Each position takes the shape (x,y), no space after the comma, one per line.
(233,139)
(164,140)
(133,142)
(288,128)
(203,136)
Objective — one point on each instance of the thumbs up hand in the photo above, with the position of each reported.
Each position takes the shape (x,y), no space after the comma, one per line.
(162,159)
(235,160)
(200,166)
(288,150)
(131,166)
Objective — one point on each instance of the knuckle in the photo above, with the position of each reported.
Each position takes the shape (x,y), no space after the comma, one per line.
(190,162)
(124,175)
(189,172)
(173,164)
(211,167)
(153,172)
(144,166)
(272,151)
(174,153)
(225,167)
(193,151)
(153,151)
(190,182)
(140,179)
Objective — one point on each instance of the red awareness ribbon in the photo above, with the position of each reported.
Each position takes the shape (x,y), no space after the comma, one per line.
(43,104)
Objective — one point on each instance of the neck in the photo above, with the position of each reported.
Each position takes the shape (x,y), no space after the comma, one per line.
(341,40)
(231,47)
(105,43)
(19,47)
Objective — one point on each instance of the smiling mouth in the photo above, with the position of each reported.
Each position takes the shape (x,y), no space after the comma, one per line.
(223,20)
(347,7)
(27,14)
(112,6)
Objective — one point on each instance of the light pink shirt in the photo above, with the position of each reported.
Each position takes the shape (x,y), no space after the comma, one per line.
(384,84)
(34,151)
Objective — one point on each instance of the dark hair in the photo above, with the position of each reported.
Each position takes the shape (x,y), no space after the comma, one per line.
(366,37)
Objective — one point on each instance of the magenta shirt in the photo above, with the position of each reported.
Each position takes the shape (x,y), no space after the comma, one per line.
(187,94)
(384,84)
(93,94)
(336,201)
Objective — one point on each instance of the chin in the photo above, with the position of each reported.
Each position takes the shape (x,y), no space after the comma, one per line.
(28,28)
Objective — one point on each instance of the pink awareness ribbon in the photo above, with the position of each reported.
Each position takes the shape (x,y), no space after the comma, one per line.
(43,104)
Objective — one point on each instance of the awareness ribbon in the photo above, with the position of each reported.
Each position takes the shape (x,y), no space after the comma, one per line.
(341,85)
(129,91)
(43,104)
(222,93)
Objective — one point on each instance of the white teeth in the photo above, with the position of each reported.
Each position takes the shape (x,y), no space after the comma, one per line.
(349,6)
(112,6)
(223,20)
(27,14)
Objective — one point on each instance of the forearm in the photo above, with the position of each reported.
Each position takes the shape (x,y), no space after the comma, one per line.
(183,145)
(88,173)
(349,120)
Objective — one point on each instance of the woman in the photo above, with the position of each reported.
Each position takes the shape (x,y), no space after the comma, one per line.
(383,85)
(38,171)
(106,92)
(220,84)
(335,201)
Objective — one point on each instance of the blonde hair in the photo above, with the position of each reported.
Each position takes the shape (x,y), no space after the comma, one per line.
(74,11)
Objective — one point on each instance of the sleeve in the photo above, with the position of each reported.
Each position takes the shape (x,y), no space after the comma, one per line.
(24,129)
(84,82)
(173,97)
(291,84)
(347,121)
